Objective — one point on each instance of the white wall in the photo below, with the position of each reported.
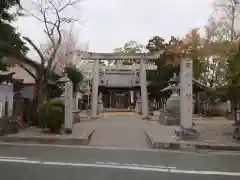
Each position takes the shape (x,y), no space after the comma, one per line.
(20,73)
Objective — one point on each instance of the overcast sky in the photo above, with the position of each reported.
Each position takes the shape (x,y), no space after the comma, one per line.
(108,24)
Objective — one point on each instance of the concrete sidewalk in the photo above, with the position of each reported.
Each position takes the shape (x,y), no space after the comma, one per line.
(215,134)
(111,129)
(81,136)
(119,131)
(130,131)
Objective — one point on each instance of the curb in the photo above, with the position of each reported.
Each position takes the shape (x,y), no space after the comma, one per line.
(153,143)
(59,140)
(161,145)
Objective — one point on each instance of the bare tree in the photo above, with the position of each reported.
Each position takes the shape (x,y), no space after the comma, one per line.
(215,50)
(229,11)
(66,52)
(53,14)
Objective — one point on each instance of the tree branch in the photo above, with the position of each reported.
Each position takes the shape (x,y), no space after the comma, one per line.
(47,31)
(36,49)
(56,46)
(70,3)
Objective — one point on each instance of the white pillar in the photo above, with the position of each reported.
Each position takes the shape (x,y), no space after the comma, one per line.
(76,100)
(229,106)
(94,101)
(138,107)
(10,104)
(144,94)
(132,97)
(110,99)
(186,100)
(68,122)
(100,103)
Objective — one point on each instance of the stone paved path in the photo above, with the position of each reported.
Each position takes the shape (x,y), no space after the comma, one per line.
(119,131)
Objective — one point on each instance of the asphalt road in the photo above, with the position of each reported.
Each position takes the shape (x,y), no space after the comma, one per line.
(60,163)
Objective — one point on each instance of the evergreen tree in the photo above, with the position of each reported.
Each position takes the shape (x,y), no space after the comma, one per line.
(11,44)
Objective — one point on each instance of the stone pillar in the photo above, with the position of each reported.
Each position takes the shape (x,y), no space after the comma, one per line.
(10,104)
(94,101)
(110,99)
(100,103)
(132,97)
(229,106)
(186,105)
(68,119)
(76,99)
(138,103)
(144,94)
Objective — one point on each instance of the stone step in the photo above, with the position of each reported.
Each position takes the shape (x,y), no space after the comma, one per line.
(117,110)
(119,114)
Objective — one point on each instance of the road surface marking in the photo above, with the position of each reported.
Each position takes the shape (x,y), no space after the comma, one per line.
(126,167)
(205,172)
(169,167)
(7,157)
(100,162)
(138,165)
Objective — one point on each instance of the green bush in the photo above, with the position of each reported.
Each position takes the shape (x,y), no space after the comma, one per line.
(51,116)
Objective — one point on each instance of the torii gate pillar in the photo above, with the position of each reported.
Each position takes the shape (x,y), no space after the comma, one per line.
(94,100)
(144,93)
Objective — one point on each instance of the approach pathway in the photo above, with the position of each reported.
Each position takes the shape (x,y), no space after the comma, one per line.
(126,131)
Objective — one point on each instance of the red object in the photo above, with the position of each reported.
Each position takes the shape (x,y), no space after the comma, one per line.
(29,84)
(21,116)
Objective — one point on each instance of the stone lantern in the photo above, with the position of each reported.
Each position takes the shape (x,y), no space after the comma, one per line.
(138,107)
(67,98)
(170,115)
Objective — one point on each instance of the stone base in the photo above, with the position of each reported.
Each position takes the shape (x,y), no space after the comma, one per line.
(94,117)
(145,117)
(100,108)
(168,119)
(186,134)
(68,131)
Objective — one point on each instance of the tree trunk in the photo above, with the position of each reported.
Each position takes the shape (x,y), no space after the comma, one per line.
(38,100)
(197,105)
(234,111)
(34,114)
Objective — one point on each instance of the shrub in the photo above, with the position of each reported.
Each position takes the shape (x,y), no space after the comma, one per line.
(51,116)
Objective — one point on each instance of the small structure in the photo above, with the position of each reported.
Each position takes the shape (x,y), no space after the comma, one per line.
(67,98)
(138,107)
(171,113)
(179,109)
(116,87)
(9,89)
(236,130)
(236,127)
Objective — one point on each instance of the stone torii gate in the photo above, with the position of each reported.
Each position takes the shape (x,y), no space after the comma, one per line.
(97,57)
(185,83)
